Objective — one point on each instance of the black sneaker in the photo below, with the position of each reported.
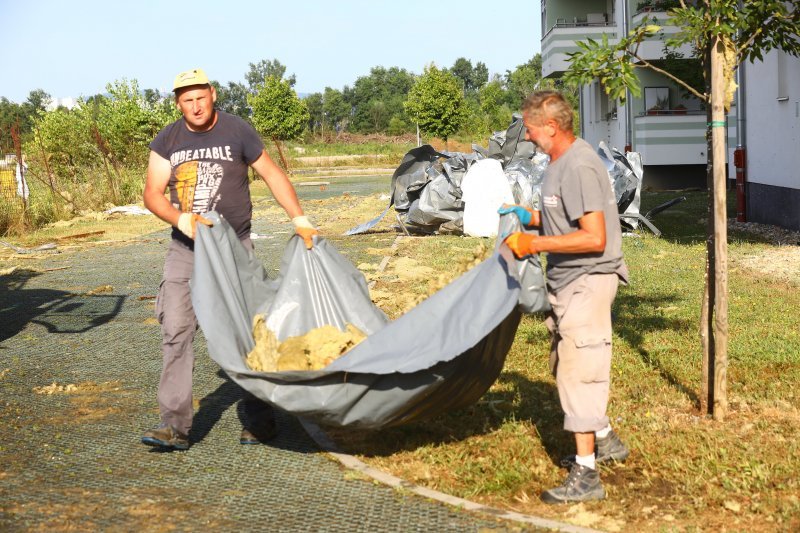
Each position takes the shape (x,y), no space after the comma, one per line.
(582,484)
(166,437)
(259,434)
(607,450)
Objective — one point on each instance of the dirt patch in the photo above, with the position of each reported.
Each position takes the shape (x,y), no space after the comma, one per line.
(89,401)
(77,509)
(405,282)
(782,261)
(87,387)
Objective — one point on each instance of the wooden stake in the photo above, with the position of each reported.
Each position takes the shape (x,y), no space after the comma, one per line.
(718,135)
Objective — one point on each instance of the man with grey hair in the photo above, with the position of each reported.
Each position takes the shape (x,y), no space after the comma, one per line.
(581,234)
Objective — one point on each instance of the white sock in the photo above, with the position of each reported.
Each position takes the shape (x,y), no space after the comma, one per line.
(586,460)
(603,433)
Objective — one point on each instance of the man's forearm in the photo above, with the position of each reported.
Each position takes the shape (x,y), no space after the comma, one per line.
(577,242)
(285,195)
(160,206)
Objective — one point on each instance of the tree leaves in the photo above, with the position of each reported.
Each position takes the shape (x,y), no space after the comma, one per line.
(753,29)
(436,102)
(277,111)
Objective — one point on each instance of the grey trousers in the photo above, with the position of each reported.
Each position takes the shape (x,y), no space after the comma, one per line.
(175,313)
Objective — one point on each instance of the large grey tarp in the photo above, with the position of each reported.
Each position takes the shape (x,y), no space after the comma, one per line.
(426,186)
(443,354)
(625,173)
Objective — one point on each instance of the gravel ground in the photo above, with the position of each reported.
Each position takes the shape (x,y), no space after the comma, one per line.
(782,260)
(79,367)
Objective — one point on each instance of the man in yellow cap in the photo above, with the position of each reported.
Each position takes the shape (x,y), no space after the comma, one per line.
(203,160)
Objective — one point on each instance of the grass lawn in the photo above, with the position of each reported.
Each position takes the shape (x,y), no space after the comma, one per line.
(686,472)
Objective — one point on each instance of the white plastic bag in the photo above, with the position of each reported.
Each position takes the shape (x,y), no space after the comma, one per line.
(485,188)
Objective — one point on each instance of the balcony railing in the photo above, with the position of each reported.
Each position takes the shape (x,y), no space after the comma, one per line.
(677,140)
(590,20)
(670,112)
(650,6)
(560,41)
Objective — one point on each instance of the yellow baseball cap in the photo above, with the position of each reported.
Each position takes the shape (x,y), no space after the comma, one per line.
(189,78)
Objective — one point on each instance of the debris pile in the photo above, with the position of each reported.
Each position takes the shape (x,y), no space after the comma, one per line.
(315,350)
(478,255)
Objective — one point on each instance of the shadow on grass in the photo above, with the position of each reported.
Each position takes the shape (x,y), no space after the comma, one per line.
(685,223)
(252,413)
(539,405)
(525,400)
(635,319)
(57,311)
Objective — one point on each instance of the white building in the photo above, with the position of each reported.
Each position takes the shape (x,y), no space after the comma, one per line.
(770,92)
(67,102)
(664,124)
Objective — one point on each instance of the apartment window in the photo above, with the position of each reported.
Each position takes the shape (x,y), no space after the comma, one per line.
(604,107)
(544,17)
(656,100)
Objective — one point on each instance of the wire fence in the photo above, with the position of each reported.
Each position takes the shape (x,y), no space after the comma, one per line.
(14,190)
(13,186)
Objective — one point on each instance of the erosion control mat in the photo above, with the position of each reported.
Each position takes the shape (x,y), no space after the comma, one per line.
(70,456)
(442,354)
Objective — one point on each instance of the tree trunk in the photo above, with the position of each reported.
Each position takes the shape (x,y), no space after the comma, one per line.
(281,156)
(706,316)
(718,134)
(706,309)
(46,163)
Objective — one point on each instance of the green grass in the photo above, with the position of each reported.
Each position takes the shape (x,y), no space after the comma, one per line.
(365,148)
(686,470)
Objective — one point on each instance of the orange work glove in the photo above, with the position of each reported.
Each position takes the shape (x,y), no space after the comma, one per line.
(305,229)
(522,244)
(187,223)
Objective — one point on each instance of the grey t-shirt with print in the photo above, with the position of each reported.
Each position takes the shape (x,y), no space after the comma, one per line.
(209,169)
(575,184)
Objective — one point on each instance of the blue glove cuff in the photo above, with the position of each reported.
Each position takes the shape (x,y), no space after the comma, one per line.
(523,214)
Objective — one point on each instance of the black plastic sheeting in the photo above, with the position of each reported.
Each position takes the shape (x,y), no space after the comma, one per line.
(443,354)
(426,186)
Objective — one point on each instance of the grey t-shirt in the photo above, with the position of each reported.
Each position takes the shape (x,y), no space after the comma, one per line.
(575,184)
(209,169)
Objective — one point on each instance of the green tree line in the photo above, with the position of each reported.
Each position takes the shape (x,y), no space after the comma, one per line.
(95,154)
(383,101)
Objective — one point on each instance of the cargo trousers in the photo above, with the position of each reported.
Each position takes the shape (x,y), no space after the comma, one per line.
(175,313)
(580,353)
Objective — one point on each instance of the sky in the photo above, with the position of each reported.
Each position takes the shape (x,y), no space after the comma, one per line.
(73,49)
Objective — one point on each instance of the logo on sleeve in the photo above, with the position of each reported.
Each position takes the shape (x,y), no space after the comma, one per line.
(550,201)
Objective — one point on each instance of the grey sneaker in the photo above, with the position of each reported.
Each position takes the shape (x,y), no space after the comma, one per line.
(582,484)
(610,449)
(607,450)
(166,437)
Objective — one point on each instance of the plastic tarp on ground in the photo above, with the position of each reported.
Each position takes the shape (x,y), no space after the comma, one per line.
(426,188)
(443,354)
(625,172)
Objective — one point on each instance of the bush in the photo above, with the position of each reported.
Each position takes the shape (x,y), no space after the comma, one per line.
(92,155)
